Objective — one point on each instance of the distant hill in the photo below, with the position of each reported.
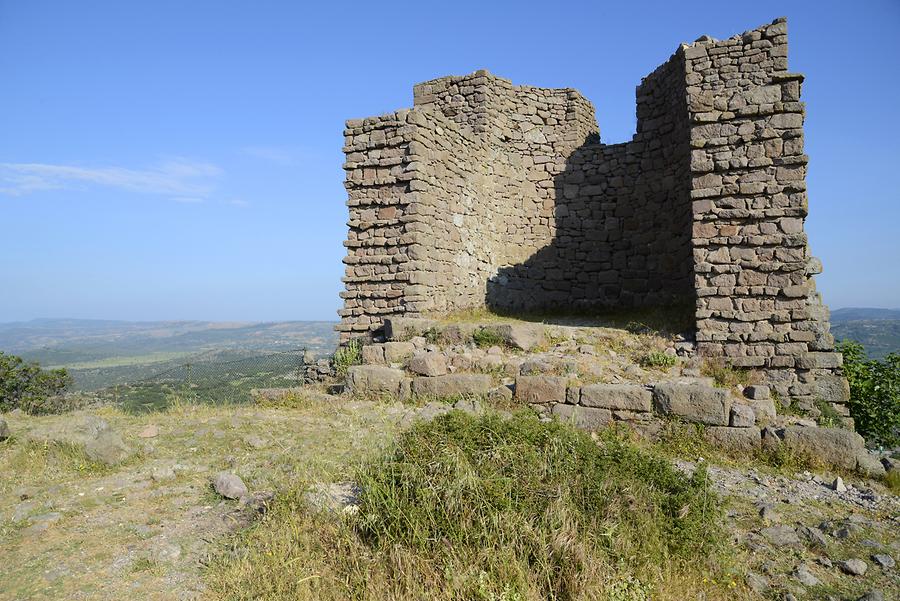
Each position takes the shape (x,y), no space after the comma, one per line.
(856,314)
(878,330)
(100,352)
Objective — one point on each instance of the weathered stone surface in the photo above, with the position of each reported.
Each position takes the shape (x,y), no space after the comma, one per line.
(617,396)
(428,364)
(397,352)
(229,485)
(452,385)
(150,431)
(883,560)
(735,440)
(742,416)
(854,567)
(831,389)
(757,392)
(832,445)
(781,536)
(695,403)
(500,394)
(401,329)
(90,433)
(804,576)
(869,465)
(891,464)
(521,336)
(337,497)
(586,418)
(764,410)
(374,379)
(541,389)
(373,354)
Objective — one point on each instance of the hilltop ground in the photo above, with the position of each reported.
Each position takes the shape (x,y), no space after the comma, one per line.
(152,527)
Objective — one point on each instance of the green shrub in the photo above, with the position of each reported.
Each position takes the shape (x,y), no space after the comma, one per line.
(486,337)
(874,393)
(658,359)
(828,416)
(533,508)
(490,509)
(27,387)
(347,355)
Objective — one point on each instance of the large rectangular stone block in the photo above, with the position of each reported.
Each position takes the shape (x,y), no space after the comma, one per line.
(452,385)
(617,396)
(692,402)
(586,418)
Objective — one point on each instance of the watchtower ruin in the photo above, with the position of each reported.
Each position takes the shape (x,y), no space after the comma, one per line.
(489,194)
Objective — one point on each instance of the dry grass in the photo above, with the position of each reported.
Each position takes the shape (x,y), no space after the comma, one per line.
(485,508)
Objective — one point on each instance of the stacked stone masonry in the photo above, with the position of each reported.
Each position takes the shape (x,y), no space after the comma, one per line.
(488,194)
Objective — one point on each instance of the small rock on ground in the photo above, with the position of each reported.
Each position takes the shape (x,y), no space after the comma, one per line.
(854,567)
(757,583)
(885,561)
(229,485)
(339,496)
(804,576)
(781,536)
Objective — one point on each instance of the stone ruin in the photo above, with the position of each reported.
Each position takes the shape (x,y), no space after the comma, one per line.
(489,194)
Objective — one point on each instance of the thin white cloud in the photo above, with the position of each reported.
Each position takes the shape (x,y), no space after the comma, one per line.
(179,179)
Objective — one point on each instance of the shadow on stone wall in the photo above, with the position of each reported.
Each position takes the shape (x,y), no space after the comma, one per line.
(622,238)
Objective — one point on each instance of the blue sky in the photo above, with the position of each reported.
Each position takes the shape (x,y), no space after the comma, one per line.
(182,160)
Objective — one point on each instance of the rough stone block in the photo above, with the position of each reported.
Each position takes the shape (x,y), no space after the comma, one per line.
(428,364)
(373,354)
(399,329)
(742,416)
(831,388)
(541,389)
(374,379)
(617,396)
(735,440)
(869,465)
(834,446)
(586,418)
(521,336)
(763,409)
(397,352)
(757,392)
(452,385)
(694,403)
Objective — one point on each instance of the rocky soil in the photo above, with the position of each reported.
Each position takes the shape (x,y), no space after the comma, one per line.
(143,526)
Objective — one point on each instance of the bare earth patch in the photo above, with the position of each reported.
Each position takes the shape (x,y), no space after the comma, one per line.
(74,529)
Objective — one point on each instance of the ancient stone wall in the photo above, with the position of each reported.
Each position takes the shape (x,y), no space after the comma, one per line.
(491,194)
(757,303)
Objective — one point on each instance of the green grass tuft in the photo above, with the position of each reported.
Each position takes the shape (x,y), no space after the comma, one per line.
(486,337)
(486,507)
(658,359)
(347,355)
